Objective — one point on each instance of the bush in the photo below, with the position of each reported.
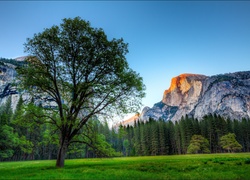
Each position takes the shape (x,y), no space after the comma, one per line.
(247,161)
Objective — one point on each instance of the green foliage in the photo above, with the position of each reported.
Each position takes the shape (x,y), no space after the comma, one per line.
(25,145)
(126,146)
(8,141)
(103,148)
(247,161)
(35,140)
(11,61)
(229,143)
(193,148)
(84,74)
(198,144)
(30,116)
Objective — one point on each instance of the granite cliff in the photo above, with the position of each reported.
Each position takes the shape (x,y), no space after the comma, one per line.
(8,80)
(7,77)
(195,95)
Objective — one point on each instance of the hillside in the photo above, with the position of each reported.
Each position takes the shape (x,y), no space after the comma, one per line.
(227,95)
(7,77)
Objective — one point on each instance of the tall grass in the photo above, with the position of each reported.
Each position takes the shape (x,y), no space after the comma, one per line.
(209,166)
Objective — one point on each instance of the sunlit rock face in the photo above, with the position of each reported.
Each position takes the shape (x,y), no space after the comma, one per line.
(227,95)
(184,93)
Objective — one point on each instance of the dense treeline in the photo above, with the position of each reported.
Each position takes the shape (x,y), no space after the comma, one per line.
(165,138)
(23,137)
(23,141)
(11,61)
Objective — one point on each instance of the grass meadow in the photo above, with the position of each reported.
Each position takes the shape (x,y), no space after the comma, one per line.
(202,166)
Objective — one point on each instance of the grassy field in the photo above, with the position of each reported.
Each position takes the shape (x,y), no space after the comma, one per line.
(209,166)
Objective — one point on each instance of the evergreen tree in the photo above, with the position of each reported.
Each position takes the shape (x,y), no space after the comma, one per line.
(171,143)
(177,137)
(154,137)
(162,137)
(237,130)
(136,138)
(143,140)
(130,134)
(246,134)
(8,141)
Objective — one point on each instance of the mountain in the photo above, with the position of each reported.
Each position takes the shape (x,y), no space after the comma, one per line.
(22,58)
(8,79)
(227,95)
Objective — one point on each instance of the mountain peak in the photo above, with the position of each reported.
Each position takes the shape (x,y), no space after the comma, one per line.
(183,82)
(22,58)
(227,95)
(179,90)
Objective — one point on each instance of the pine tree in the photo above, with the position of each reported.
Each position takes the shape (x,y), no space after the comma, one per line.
(143,140)
(130,134)
(237,130)
(177,137)
(9,140)
(136,138)
(162,137)
(246,134)
(171,143)
(154,139)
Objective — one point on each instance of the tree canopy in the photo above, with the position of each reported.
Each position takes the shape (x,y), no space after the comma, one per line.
(198,144)
(229,143)
(83,73)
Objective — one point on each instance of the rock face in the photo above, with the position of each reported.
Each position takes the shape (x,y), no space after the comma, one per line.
(7,76)
(227,95)
(159,111)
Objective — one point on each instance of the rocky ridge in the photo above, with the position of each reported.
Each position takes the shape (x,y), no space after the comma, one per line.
(7,76)
(227,95)
(8,79)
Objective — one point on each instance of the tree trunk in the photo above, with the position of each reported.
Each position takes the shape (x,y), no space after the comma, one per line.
(62,152)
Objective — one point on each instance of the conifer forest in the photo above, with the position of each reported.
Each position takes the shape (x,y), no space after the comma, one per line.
(22,137)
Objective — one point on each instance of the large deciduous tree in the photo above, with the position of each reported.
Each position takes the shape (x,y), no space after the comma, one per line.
(198,144)
(230,143)
(83,72)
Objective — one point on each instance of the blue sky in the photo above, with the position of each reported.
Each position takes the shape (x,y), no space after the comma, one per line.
(165,38)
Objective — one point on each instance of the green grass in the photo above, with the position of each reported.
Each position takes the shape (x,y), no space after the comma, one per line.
(209,166)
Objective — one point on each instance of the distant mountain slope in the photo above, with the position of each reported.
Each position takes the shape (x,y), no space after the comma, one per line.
(227,95)
(8,77)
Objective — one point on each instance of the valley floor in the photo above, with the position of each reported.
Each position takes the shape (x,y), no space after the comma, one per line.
(201,166)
